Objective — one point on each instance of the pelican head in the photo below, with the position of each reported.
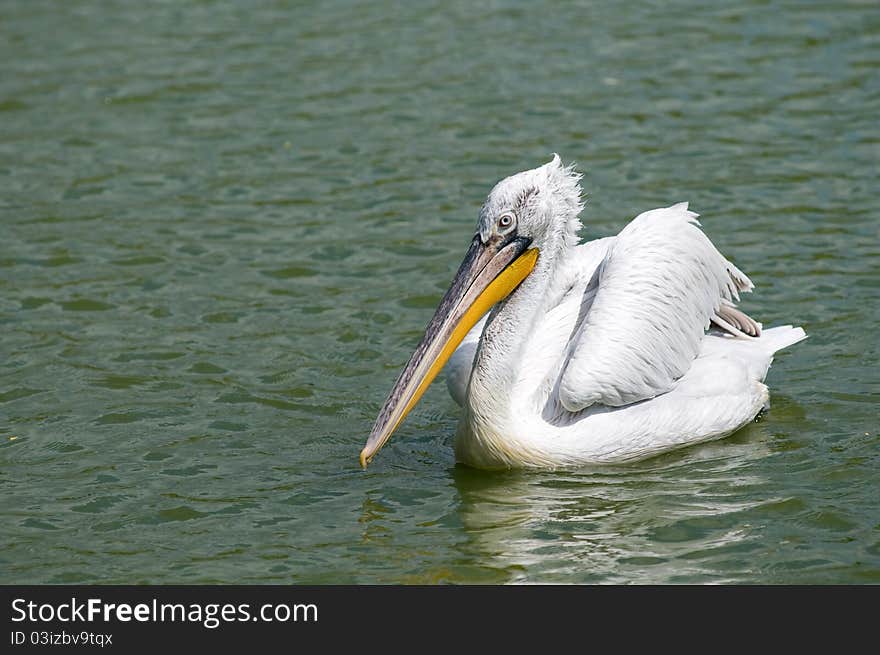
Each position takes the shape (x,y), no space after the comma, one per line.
(544,203)
(527,215)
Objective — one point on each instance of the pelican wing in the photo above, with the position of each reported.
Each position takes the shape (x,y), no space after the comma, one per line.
(645,311)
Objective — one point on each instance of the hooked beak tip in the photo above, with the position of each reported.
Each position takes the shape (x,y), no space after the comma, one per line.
(364,459)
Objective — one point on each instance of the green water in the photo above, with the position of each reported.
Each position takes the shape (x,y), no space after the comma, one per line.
(223,227)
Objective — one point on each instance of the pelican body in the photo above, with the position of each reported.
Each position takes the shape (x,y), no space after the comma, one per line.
(564,354)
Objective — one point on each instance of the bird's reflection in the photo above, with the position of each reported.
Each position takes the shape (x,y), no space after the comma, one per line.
(612,524)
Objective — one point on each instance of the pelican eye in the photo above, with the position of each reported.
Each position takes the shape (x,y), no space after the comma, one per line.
(505,221)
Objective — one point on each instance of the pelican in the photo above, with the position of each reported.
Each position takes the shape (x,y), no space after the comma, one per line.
(564,354)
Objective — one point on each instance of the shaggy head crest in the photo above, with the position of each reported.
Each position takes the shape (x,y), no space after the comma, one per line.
(545,200)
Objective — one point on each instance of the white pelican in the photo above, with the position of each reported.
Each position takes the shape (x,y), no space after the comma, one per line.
(591,353)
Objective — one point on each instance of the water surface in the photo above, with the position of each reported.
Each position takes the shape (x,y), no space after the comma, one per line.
(223,227)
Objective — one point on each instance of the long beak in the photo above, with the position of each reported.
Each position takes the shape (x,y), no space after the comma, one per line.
(487,275)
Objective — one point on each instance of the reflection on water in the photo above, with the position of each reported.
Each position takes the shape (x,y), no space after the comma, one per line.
(608,523)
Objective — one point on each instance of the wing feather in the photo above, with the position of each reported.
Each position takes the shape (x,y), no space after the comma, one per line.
(659,286)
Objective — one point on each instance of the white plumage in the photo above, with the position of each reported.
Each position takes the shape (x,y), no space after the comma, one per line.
(602,353)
